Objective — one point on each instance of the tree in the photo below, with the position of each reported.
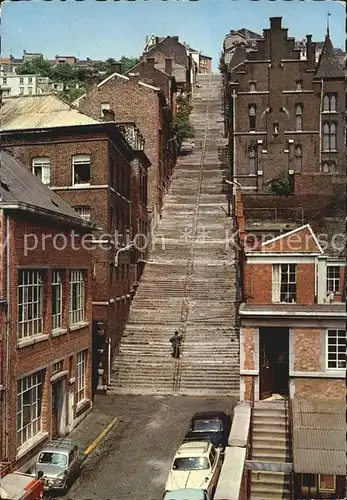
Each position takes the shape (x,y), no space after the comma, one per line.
(36,67)
(128,63)
(221,65)
(283,184)
(63,72)
(70,95)
(181,123)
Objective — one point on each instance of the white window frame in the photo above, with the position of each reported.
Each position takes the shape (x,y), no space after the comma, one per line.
(81,370)
(31,384)
(57,285)
(277,273)
(80,160)
(83,211)
(333,279)
(104,106)
(334,352)
(77,306)
(326,489)
(44,164)
(30,303)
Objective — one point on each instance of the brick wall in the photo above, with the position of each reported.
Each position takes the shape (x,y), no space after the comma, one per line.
(249,348)
(310,388)
(64,344)
(307,350)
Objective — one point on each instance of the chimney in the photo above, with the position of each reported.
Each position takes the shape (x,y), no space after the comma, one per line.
(175,39)
(150,62)
(91,82)
(310,52)
(108,115)
(157,40)
(168,66)
(116,67)
(275,23)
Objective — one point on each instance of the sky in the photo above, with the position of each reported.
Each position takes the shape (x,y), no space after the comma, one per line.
(102,29)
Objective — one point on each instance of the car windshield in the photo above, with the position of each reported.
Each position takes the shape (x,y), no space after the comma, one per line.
(207,425)
(50,458)
(191,463)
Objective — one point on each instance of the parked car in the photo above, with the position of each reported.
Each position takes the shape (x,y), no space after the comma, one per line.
(187,494)
(211,425)
(59,461)
(19,486)
(196,464)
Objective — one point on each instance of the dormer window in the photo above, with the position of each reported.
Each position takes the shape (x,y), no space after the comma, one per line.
(298,117)
(252,86)
(105,106)
(252,117)
(81,169)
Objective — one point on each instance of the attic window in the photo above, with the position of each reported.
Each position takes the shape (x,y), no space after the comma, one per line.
(105,106)
(81,170)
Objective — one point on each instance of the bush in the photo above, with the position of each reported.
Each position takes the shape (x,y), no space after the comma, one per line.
(283,184)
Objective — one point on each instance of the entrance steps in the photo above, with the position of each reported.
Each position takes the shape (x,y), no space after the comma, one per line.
(270,445)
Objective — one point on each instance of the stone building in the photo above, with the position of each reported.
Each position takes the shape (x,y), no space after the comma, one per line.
(285,114)
(103,176)
(46,315)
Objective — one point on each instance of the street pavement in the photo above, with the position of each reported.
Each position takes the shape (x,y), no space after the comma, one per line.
(133,461)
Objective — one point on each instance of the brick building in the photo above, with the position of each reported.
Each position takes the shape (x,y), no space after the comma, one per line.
(103,176)
(130,99)
(46,314)
(285,114)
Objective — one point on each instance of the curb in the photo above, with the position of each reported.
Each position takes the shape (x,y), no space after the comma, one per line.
(99,438)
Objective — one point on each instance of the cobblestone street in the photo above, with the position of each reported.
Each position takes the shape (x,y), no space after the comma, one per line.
(134,459)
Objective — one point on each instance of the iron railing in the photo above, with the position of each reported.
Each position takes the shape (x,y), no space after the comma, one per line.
(290,441)
(250,439)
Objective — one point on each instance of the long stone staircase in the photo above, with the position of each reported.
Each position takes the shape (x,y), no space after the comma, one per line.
(271,452)
(189,280)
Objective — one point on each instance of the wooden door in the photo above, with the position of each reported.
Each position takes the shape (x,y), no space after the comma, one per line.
(264,372)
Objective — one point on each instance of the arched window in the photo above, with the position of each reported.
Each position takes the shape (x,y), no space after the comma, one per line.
(252,117)
(252,160)
(329,136)
(329,102)
(298,158)
(298,116)
(329,167)
(332,102)
(326,102)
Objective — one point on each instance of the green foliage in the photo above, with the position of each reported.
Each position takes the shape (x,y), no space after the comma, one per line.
(181,123)
(63,72)
(36,66)
(221,65)
(71,94)
(128,63)
(283,184)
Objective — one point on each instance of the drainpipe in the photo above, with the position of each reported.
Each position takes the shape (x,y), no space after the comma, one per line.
(320,125)
(8,315)
(234,148)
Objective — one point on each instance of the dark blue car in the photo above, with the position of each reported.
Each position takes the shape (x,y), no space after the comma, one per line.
(213,426)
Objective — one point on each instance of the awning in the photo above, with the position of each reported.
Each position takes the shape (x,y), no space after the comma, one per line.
(319,436)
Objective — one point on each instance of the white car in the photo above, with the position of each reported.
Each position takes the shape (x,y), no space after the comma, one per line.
(197,464)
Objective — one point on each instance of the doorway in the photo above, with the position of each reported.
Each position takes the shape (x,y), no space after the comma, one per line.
(273,361)
(59,408)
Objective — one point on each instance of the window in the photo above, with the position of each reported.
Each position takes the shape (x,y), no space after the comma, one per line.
(57,303)
(76,297)
(298,117)
(212,457)
(298,84)
(329,167)
(30,79)
(336,349)
(81,375)
(329,136)
(21,80)
(252,86)
(30,304)
(83,211)
(308,480)
(21,90)
(104,106)
(252,117)
(4,81)
(58,367)
(298,158)
(327,482)
(333,279)
(275,126)
(41,168)
(29,391)
(30,90)
(252,160)
(284,283)
(81,169)
(329,102)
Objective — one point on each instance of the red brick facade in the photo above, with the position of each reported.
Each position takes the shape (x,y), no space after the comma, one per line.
(52,354)
(131,100)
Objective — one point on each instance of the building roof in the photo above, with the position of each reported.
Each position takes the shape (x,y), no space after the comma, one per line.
(21,190)
(329,62)
(336,310)
(39,112)
(319,436)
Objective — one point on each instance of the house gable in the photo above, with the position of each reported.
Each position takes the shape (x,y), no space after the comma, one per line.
(300,240)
